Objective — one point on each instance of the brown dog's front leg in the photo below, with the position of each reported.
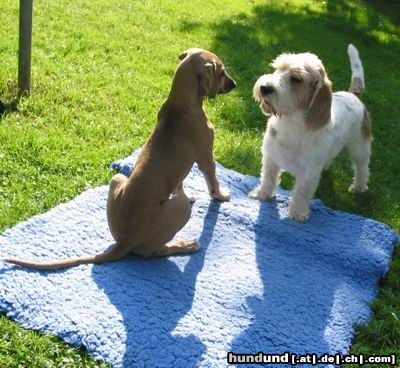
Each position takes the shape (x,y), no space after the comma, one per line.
(208,170)
(179,191)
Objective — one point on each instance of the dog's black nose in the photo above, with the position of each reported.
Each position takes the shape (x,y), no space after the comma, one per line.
(229,86)
(266,90)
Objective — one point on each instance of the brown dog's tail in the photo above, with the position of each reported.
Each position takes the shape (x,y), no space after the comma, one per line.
(357,85)
(113,253)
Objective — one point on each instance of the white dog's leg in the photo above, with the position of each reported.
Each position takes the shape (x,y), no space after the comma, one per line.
(304,190)
(269,181)
(361,174)
(360,152)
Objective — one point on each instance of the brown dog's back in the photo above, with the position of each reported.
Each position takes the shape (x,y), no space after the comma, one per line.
(141,213)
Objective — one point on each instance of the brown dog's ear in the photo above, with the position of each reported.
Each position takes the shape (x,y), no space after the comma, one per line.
(182,55)
(191,50)
(319,109)
(208,80)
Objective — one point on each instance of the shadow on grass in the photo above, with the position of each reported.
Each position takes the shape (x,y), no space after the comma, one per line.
(9,101)
(374,14)
(249,42)
(7,108)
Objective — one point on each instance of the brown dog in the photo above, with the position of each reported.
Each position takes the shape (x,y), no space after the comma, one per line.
(142,214)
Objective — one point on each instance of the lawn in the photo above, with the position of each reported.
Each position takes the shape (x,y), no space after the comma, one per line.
(101,71)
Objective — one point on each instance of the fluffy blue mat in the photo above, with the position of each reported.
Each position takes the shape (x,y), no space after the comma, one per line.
(260,282)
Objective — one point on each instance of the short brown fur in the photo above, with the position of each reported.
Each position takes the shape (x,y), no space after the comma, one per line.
(147,210)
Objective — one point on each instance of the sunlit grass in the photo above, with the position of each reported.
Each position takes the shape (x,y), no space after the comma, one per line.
(102,69)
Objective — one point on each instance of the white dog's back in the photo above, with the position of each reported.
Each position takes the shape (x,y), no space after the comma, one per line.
(310,126)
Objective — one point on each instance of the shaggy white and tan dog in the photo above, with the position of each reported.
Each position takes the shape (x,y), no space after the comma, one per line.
(309,126)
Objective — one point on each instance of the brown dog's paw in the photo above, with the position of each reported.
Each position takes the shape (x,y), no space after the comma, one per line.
(221,196)
(193,246)
(189,245)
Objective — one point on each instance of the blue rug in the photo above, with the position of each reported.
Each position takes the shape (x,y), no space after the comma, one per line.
(260,282)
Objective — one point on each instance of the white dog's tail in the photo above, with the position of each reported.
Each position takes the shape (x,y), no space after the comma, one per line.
(357,85)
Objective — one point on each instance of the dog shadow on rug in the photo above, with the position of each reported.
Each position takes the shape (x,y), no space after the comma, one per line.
(151,308)
(314,288)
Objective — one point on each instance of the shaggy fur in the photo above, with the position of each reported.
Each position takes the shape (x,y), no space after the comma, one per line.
(309,126)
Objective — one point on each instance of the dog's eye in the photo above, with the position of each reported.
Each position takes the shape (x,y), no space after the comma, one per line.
(295,79)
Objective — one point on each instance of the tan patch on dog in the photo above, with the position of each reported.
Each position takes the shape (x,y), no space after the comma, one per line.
(267,108)
(356,87)
(366,126)
(302,91)
(319,111)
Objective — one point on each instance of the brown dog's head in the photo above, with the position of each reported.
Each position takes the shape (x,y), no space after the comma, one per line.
(213,78)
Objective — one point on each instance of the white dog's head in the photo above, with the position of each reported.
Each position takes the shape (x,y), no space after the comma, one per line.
(299,83)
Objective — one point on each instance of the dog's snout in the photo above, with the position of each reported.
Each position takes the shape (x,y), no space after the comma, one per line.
(266,90)
(232,84)
(229,85)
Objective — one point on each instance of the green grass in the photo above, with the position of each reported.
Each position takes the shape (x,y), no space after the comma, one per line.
(101,71)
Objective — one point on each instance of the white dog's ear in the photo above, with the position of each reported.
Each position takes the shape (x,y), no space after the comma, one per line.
(319,110)
(208,80)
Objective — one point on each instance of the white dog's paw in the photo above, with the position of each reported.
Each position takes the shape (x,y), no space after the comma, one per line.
(356,188)
(261,195)
(299,215)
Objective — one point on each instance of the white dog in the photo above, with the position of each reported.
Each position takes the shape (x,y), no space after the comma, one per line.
(309,126)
